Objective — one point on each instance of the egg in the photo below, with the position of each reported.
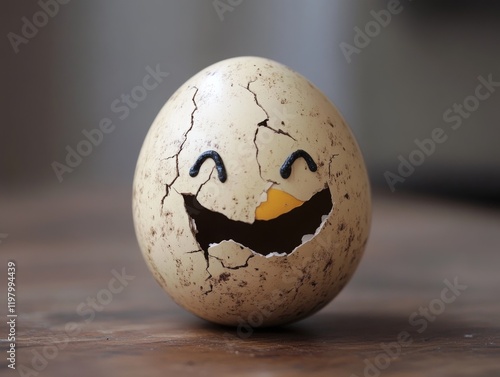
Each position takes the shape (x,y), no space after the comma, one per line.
(251,200)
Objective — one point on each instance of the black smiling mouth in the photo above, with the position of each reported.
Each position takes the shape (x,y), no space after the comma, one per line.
(281,235)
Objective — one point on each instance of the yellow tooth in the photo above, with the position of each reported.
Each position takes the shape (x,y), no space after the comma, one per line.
(278,202)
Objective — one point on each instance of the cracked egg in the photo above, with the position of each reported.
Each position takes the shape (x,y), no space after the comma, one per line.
(251,200)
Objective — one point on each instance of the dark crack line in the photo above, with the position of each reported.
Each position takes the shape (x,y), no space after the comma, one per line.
(176,156)
(204,183)
(168,185)
(235,267)
(264,122)
(194,251)
(197,192)
(257,152)
(207,258)
(255,96)
(257,130)
(205,254)
(192,122)
(210,290)
(169,157)
(278,131)
(186,135)
(164,196)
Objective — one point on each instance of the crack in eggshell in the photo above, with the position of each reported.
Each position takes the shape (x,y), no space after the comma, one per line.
(257,152)
(255,96)
(185,137)
(231,254)
(283,288)
(204,183)
(212,196)
(222,246)
(232,199)
(288,119)
(302,186)
(279,131)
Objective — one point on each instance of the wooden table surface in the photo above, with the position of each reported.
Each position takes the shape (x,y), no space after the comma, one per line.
(67,242)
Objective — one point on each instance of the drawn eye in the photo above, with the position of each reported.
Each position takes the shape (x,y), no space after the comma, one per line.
(286,168)
(219,165)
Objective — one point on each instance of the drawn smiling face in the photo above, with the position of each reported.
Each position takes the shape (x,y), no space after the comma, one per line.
(282,222)
(251,195)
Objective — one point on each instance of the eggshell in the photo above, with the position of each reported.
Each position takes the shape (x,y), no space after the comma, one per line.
(254,113)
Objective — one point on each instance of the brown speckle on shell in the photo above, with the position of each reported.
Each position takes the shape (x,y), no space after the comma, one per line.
(222,108)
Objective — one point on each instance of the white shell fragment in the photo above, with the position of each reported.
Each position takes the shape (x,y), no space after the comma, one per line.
(307,237)
(196,224)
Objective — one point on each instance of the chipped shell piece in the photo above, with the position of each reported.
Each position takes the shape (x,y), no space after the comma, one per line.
(251,200)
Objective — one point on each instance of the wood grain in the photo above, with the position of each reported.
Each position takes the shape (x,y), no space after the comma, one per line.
(66,243)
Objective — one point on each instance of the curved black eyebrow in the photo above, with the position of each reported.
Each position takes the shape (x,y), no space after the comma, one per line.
(195,169)
(286,168)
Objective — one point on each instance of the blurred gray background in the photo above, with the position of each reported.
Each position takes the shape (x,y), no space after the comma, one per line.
(62,77)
